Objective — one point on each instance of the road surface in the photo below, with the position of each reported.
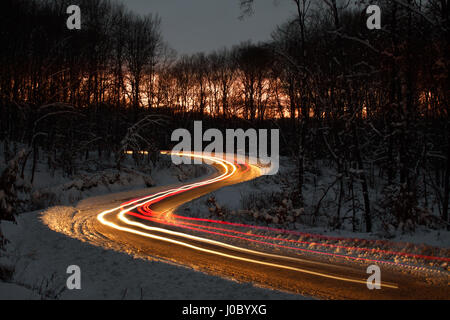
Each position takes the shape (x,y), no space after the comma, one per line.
(149,225)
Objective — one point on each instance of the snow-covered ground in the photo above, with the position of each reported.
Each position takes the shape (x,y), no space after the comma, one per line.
(12,291)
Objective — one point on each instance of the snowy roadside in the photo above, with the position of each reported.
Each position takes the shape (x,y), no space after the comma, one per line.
(53,187)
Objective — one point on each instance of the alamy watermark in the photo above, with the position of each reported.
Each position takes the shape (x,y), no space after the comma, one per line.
(74,280)
(374,20)
(374,280)
(74,20)
(236,141)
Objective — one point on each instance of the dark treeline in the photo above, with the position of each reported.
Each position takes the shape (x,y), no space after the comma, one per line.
(370,102)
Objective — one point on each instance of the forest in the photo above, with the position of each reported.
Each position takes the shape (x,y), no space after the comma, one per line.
(372,105)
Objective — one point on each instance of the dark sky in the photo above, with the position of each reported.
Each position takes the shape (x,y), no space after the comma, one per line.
(191,26)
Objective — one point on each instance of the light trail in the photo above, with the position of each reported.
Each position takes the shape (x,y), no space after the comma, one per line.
(146,211)
(167,218)
(159,196)
(122,217)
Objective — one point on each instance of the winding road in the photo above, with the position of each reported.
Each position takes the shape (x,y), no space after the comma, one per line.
(150,226)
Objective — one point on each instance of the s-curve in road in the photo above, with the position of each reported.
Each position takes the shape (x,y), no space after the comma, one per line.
(150,226)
